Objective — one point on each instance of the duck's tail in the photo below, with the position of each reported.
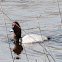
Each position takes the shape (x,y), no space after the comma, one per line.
(49,38)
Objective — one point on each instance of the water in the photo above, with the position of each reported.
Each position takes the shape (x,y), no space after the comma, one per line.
(28,13)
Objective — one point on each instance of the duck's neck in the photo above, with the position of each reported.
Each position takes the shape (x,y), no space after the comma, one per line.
(14,35)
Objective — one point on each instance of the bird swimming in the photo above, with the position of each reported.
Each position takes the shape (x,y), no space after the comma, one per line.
(28,38)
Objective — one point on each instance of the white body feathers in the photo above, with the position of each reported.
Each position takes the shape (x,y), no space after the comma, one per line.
(32,38)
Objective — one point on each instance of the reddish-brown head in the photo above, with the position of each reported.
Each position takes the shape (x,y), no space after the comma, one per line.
(17,29)
(15,25)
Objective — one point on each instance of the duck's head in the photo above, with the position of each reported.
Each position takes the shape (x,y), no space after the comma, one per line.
(15,26)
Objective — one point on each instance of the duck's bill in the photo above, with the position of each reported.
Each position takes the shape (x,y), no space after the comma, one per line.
(11,30)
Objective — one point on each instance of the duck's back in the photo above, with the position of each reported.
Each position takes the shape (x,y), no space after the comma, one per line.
(32,38)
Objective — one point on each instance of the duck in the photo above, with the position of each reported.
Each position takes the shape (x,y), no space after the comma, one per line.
(30,38)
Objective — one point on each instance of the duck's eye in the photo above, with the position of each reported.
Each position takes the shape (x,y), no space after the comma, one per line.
(13,27)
